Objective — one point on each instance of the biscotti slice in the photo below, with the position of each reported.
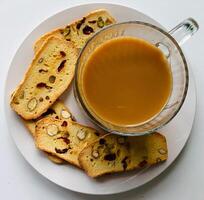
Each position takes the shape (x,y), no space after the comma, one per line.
(48,76)
(58,111)
(114,153)
(81,30)
(55,159)
(63,139)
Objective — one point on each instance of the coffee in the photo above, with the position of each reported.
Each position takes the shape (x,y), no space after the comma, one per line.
(126,81)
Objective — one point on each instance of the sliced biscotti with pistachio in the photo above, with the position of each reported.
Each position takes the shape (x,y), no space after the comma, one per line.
(81,30)
(48,76)
(58,111)
(114,153)
(63,139)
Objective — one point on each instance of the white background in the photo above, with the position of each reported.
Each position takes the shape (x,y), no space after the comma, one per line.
(184,180)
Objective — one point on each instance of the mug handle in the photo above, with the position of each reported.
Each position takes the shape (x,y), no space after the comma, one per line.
(183,31)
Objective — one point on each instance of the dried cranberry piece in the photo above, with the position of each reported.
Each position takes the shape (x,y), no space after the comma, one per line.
(143,163)
(110,157)
(61,151)
(87,30)
(64,123)
(61,66)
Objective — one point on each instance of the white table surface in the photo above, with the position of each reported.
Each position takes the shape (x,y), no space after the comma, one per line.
(183,180)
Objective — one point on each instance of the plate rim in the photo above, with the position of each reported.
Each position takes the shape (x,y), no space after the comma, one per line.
(6,98)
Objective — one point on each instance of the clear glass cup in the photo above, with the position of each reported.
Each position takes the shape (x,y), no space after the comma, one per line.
(169,43)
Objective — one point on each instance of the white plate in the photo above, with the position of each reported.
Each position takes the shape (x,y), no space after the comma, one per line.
(67,176)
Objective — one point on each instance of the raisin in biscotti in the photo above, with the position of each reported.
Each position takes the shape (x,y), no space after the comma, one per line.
(48,76)
(114,153)
(58,111)
(63,139)
(81,30)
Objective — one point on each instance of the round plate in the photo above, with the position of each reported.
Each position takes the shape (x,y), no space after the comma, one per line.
(67,176)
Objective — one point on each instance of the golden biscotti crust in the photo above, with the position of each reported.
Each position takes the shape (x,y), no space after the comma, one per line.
(48,76)
(64,140)
(80,30)
(55,159)
(57,111)
(112,153)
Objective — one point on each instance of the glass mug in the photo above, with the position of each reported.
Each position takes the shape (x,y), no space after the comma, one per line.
(169,43)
